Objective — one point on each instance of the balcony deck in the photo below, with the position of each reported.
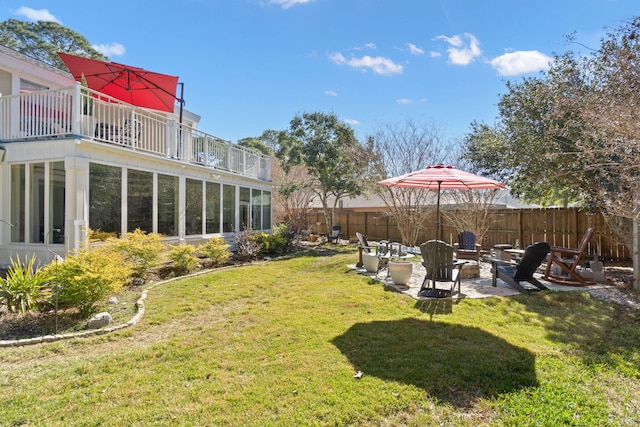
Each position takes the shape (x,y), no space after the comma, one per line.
(83,113)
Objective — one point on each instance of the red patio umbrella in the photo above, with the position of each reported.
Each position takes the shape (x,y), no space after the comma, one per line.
(441,177)
(133,85)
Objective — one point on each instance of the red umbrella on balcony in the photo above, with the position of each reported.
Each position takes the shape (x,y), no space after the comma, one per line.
(133,85)
(441,177)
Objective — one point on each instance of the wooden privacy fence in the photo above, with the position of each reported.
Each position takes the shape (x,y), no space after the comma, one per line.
(522,227)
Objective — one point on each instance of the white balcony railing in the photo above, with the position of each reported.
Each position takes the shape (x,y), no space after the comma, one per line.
(81,112)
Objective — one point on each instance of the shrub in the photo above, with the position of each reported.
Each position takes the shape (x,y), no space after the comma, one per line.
(286,231)
(183,258)
(24,288)
(279,242)
(247,246)
(100,236)
(271,244)
(87,276)
(216,250)
(283,238)
(140,249)
(264,240)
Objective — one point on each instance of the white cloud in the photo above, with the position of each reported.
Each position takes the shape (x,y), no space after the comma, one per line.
(286,4)
(113,49)
(352,121)
(378,64)
(330,93)
(369,45)
(36,15)
(408,101)
(415,50)
(435,54)
(462,49)
(520,62)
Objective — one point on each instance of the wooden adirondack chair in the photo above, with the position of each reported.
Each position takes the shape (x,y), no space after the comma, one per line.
(515,274)
(567,260)
(467,248)
(437,259)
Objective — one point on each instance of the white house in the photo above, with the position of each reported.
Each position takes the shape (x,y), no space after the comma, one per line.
(114,169)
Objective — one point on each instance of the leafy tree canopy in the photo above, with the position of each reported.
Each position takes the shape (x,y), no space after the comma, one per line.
(328,147)
(256,144)
(545,139)
(574,132)
(43,39)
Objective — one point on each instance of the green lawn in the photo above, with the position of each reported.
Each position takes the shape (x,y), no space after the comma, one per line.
(277,344)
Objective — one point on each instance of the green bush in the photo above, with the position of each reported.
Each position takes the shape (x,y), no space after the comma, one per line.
(183,258)
(24,288)
(279,242)
(140,249)
(264,240)
(216,250)
(87,276)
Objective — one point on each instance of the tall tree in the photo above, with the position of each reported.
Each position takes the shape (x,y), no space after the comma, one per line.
(473,210)
(334,158)
(43,39)
(292,196)
(401,148)
(577,127)
(610,130)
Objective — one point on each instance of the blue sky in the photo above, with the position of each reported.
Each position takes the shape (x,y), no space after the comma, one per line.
(252,65)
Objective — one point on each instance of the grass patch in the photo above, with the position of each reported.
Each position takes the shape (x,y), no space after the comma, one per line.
(277,344)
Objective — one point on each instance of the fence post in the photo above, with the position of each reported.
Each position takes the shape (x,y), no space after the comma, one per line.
(366,222)
(520,228)
(577,241)
(386,227)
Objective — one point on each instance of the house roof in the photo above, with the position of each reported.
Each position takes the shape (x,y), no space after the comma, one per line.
(373,202)
(36,62)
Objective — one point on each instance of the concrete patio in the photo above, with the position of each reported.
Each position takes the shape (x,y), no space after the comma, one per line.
(479,287)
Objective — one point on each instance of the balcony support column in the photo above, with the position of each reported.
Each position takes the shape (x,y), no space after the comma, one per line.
(76,110)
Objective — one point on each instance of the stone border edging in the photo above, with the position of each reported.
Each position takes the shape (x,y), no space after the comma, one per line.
(50,338)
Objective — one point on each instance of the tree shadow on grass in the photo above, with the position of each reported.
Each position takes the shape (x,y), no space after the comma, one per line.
(454,364)
(435,306)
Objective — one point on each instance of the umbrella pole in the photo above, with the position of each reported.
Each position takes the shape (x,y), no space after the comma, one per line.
(181,100)
(436,258)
